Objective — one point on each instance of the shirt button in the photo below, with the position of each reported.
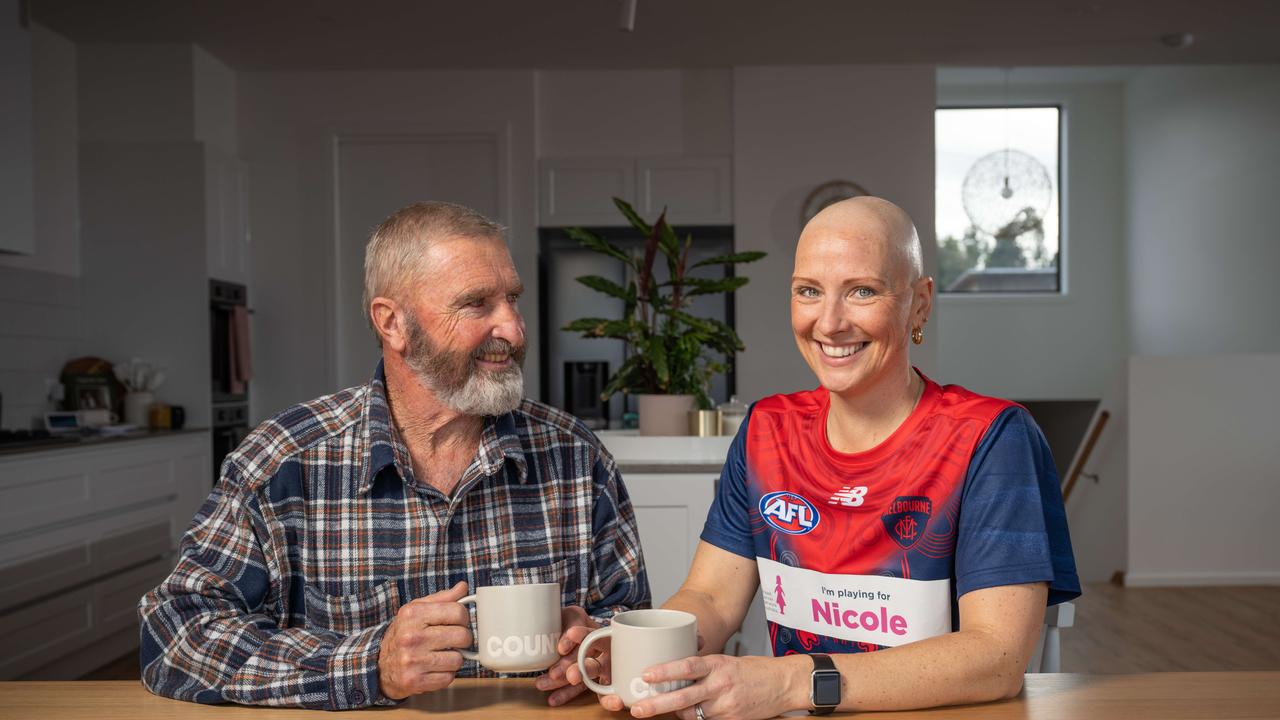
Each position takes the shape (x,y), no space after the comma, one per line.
(357,697)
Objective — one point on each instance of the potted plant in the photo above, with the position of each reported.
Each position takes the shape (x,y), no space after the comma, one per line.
(672,355)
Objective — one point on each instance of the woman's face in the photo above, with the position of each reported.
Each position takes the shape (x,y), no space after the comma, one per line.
(853,306)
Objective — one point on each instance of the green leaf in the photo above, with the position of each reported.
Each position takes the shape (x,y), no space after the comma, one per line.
(602,328)
(636,221)
(591,241)
(657,356)
(702,286)
(628,378)
(741,257)
(604,285)
(701,324)
(670,244)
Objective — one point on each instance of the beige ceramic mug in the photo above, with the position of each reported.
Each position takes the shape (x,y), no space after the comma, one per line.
(517,626)
(641,639)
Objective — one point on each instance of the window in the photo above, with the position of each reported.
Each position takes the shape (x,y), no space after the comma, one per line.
(998,198)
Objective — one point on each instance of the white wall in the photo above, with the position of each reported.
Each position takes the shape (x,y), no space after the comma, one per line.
(1204,470)
(1203,149)
(213,94)
(145,292)
(136,93)
(1059,347)
(795,128)
(288,123)
(1074,345)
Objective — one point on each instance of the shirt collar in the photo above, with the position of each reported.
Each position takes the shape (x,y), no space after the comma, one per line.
(385,446)
(499,440)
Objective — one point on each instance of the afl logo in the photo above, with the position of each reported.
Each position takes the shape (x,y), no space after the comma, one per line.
(789,513)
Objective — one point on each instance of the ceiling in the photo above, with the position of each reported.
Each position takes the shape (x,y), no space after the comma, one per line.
(415,34)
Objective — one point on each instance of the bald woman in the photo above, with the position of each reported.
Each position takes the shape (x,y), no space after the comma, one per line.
(906,536)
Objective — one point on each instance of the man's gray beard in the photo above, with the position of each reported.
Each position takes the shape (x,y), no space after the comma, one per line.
(456,381)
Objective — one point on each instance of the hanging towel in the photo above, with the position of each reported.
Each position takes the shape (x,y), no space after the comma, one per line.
(238,348)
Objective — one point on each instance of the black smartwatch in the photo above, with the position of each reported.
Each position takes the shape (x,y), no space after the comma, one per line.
(824,685)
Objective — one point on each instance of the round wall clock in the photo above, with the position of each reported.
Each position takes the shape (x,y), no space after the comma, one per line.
(828,193)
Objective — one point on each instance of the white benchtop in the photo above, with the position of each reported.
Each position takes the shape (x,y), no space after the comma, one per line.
(634,453)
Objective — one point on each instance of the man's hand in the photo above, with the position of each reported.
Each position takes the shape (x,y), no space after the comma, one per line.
(418,652)
(563,677)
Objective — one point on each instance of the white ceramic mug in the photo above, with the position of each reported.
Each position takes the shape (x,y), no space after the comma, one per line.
(642,639)
(517,626)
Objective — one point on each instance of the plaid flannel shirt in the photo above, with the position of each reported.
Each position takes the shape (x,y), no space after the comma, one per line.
(317,533)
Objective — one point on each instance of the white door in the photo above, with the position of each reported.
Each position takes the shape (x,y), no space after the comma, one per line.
(377,175)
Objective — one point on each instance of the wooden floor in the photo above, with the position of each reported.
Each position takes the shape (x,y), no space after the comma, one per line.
(1122,630)
(1128,630)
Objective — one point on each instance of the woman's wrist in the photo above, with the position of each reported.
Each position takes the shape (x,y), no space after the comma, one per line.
(798,674)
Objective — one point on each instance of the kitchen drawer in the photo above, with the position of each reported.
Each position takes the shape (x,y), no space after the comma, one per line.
(45,631)
(131,546)
(30,498)
(115,600)
(45,574)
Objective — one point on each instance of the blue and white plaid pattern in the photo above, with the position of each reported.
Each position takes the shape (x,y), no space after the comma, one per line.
(317,533)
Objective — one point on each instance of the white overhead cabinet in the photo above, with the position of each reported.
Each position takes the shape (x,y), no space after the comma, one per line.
(227,217)
(579,191)
(17,208)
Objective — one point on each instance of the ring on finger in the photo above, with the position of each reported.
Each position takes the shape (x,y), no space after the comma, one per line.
(697,710)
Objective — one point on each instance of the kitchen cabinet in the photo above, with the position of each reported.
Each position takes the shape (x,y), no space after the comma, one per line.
(672,482)
(227,217)
(670,510)
(84,532)
(17,183)
(579,191)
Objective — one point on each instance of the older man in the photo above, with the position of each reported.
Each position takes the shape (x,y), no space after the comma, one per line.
(323,570)
(905,535)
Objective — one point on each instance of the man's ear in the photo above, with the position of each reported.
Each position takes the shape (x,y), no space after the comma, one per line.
(388,321)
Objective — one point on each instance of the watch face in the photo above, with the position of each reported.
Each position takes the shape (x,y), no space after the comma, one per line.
(826,688)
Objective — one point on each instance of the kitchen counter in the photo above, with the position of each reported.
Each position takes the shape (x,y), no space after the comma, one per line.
(93,441)
(665,454)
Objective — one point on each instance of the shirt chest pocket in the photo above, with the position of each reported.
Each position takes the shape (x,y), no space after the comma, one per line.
(346,614)
(566,572)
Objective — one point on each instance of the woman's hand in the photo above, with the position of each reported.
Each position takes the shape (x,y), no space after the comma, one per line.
(726,687)
(563,678)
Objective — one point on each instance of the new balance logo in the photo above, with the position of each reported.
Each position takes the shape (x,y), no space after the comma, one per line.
(849,496)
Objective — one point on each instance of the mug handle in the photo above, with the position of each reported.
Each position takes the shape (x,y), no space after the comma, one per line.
(597,634)
(469,654)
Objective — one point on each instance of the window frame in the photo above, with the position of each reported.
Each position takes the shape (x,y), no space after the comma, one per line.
(1061,189)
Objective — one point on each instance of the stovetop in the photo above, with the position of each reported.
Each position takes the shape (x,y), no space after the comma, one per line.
(11,439)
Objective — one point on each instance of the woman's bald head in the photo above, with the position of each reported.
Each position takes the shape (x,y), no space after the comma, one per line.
(872,219)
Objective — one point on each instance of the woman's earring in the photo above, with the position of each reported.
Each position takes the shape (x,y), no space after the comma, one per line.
(917,336)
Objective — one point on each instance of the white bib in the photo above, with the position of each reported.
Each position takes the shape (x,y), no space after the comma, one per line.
(861,608)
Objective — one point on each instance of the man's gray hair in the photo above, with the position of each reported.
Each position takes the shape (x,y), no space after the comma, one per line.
(396,255)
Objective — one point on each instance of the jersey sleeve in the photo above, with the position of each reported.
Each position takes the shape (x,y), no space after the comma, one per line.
(728,524)
(1013,526)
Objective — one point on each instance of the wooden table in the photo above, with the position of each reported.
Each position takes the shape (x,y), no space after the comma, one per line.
(1172,696)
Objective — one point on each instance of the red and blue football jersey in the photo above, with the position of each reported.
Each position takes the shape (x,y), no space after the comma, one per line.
(868,550)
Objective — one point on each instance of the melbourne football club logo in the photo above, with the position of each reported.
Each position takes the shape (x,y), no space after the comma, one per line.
(906,519)
(789,513)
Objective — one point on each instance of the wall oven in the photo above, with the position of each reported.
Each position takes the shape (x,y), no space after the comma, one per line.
(229,365)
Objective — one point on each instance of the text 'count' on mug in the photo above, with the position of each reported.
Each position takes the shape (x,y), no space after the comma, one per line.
(517,626)
(642,639)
